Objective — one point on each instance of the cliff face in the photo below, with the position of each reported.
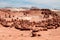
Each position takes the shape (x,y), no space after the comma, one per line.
(32,19)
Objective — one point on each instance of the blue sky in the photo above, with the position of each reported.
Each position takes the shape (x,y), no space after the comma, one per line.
(30,3)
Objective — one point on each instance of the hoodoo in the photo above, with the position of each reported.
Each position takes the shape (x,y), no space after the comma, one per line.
(32,19)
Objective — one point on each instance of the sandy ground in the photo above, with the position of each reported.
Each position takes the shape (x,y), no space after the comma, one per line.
(14,34)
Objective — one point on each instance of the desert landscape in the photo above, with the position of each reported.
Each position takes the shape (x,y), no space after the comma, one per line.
(29,24)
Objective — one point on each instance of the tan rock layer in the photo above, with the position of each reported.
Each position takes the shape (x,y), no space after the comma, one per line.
(39,20)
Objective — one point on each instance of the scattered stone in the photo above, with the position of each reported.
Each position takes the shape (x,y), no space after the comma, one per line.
(48,20)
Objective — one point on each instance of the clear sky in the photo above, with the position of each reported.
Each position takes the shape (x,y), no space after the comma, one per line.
(29,3)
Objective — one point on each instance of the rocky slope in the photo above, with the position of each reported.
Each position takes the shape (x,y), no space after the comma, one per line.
(29,20)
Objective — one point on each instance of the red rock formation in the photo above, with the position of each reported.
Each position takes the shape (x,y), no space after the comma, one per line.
(41,19)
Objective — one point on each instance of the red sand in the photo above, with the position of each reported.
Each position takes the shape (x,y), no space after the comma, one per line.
(7,33)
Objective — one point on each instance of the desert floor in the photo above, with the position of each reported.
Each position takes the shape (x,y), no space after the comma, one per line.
(14,34)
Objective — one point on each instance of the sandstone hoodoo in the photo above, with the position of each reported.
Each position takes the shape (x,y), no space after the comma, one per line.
(29,19)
